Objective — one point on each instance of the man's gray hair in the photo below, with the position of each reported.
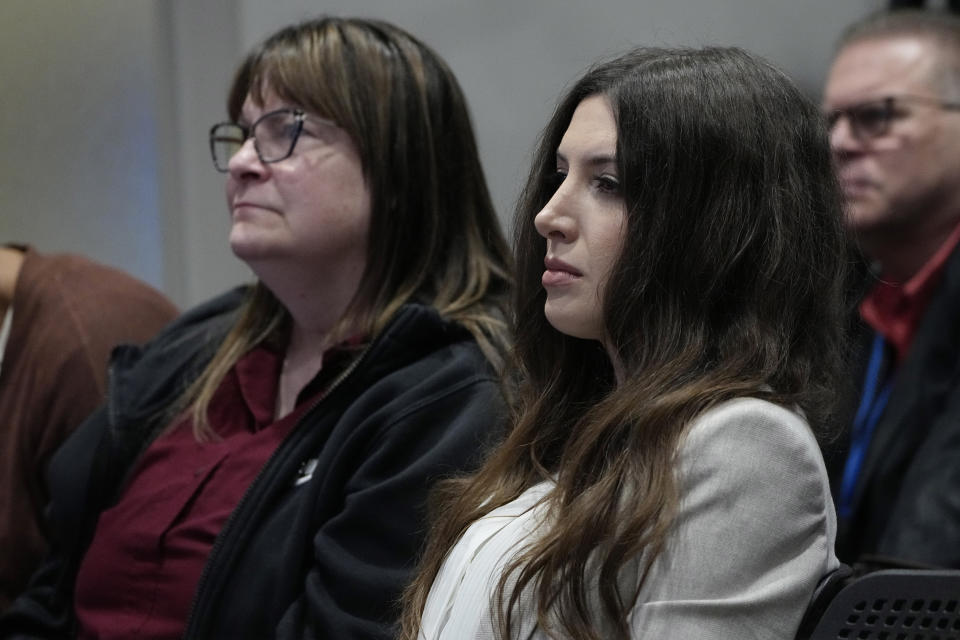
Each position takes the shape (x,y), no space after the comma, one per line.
(938,27)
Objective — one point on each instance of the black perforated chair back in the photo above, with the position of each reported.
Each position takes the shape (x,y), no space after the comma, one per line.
(822,597)
(894,604)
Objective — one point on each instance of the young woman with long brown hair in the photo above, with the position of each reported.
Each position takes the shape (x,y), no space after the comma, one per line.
(678,326)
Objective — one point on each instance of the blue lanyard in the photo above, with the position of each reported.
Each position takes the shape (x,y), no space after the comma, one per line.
(872,404)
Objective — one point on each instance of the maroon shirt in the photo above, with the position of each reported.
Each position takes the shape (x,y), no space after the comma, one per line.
(139,575)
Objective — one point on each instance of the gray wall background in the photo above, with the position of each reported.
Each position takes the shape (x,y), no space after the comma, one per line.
(105,104)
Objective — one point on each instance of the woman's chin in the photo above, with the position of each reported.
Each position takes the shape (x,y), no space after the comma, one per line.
(249,248)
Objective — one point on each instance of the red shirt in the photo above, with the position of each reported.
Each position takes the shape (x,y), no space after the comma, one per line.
(139,575)
(894,310)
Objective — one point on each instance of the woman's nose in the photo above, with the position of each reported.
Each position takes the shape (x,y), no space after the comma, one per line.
(555,221)
(246,161)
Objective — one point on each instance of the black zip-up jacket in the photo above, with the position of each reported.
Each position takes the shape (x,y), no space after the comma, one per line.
(324,558)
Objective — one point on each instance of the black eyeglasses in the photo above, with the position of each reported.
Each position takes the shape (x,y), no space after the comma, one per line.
(872,119)
(274,136)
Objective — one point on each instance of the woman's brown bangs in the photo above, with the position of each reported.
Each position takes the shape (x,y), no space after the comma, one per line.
(282,71)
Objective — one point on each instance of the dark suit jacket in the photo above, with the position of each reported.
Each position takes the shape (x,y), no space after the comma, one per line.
(906,503)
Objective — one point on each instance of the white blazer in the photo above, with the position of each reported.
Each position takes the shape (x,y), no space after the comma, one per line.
(754,534)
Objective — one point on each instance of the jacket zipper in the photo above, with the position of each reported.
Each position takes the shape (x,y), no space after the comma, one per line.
(192,619)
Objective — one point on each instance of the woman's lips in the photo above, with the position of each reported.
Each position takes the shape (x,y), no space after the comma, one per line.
(243,210)
(246,205)
(558,273)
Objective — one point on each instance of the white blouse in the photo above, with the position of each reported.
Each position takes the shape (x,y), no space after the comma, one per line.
(753,535)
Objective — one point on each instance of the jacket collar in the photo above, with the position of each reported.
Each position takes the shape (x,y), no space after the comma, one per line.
(922,379)
(145,380)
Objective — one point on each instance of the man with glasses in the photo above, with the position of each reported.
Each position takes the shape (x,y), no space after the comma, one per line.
(892,103)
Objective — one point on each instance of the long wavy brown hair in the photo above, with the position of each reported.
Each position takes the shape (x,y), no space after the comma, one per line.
(434,235)
(730,283)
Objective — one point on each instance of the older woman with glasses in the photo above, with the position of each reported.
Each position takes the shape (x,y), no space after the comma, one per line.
(260,468)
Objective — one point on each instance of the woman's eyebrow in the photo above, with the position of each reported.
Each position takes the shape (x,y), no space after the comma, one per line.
(597,159)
